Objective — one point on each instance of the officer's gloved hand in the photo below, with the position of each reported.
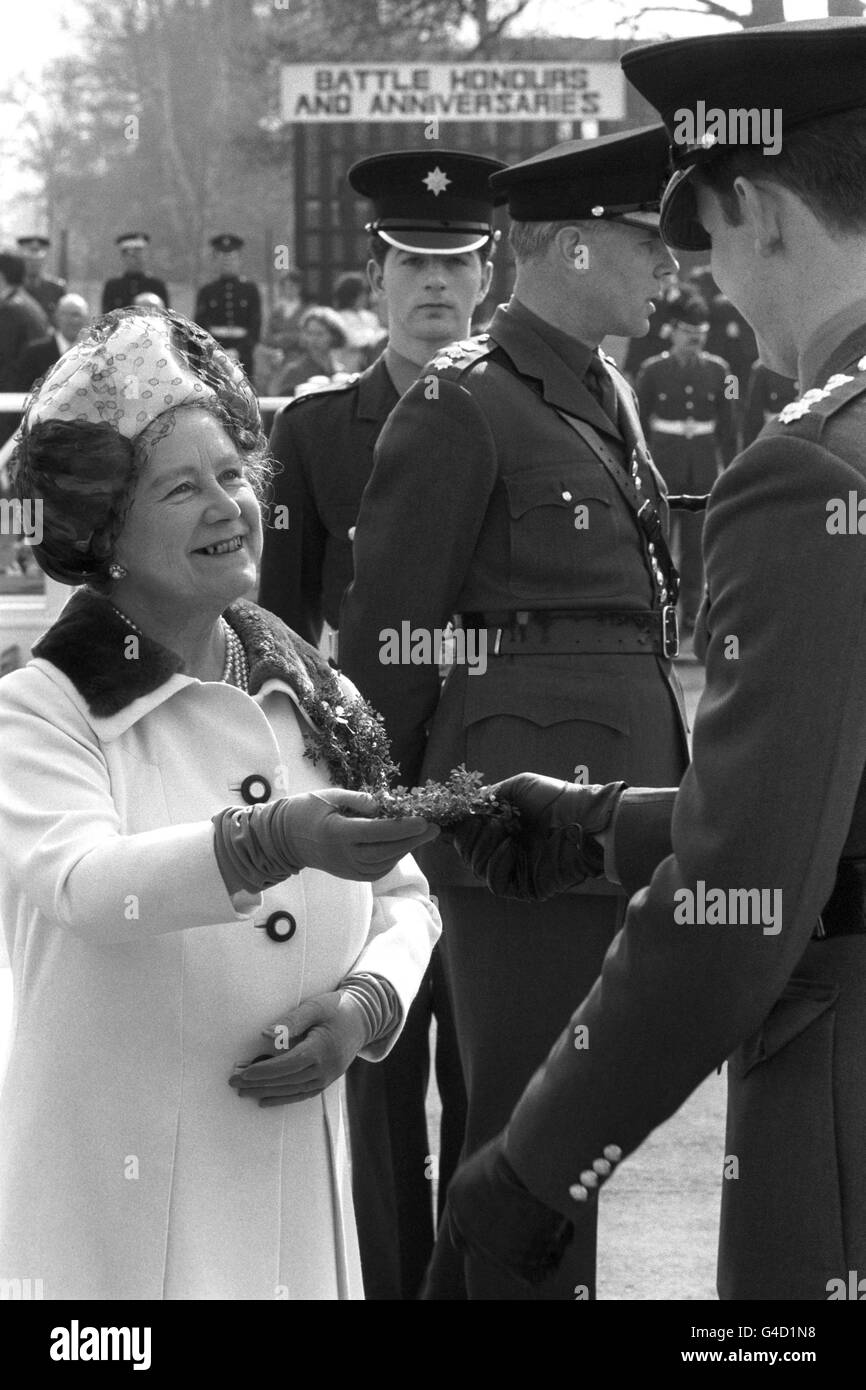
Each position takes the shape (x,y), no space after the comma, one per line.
(552,849)
(491,1215)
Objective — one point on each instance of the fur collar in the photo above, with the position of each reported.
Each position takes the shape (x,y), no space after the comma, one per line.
(88,644)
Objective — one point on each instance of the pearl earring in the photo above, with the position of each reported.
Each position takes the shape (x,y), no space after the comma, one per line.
(116,571)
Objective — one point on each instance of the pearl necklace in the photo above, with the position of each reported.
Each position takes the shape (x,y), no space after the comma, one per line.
(236,670)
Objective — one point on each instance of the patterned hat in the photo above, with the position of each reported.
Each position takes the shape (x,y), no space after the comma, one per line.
(90,421)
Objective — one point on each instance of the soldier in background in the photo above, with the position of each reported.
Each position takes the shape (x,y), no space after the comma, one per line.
(766,394)
(42,288)
(659,337)
(21,321)
(120,292)
(230,307)
(687,410)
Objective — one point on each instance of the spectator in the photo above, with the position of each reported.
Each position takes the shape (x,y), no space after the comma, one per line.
(322,337)
(72,315)
(120,292)
(283,331)
(45,291)
(364,333)
(21,320)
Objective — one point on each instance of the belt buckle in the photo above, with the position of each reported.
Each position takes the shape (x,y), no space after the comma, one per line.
(670,631)
(689,428)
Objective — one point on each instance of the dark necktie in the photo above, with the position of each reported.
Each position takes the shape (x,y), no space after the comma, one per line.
(599,381)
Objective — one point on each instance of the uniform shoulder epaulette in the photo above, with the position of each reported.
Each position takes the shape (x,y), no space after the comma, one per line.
(822,402)
(324,392)
(456,358)
(654,361)
(718,361)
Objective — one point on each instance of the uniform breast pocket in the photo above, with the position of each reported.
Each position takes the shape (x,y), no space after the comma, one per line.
(565,538)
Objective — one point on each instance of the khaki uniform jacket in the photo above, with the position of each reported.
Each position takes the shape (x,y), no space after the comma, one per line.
(773,798)
(477,502)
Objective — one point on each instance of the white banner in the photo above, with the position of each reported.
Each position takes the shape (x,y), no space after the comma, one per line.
(452,92)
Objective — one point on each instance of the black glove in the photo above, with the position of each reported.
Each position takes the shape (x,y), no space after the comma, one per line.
(491,1215)
(552,849)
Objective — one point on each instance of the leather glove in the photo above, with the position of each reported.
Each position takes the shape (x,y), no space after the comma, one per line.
(259,846)
(552,848)
(312,1047)
(491,1215)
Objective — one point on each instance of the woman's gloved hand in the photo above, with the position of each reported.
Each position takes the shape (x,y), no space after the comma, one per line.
(552,849)
(311,1048)
(259,846)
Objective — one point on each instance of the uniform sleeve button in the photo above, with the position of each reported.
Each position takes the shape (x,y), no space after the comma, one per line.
(613,1152)
(566,496)
(281,926)
(602,1166)
(589,1178)
(578,1192)
(255,789)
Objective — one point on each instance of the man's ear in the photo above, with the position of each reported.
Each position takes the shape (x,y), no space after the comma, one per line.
(566,241)
(760,204)
(374,275)
(486,277)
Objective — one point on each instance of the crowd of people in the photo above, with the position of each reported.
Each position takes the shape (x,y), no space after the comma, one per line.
(203,892)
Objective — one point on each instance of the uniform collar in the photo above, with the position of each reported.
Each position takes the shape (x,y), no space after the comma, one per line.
(837,343)
(537,350)
(377,394)
(87,645)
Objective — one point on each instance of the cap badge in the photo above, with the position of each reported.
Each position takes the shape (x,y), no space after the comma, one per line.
(597,211)
(436,181)
(708,139)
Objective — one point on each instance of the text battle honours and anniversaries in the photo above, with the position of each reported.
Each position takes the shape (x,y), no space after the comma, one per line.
(453,92)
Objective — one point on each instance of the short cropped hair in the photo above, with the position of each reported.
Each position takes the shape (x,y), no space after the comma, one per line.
(530,240)
(823,163)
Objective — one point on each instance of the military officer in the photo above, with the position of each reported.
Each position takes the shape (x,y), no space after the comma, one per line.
(120,292)
(773,806)
(505,489)
(230,307)
(686,403)
(40,287)
(431,236)
(766,395)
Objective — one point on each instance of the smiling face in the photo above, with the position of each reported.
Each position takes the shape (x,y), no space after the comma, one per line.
(430,298)
(193,535)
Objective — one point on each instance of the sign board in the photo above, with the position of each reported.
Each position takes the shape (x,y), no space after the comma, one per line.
(452,92)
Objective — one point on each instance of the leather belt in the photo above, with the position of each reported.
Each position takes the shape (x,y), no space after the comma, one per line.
(597,632)
(687,428)
(844,913)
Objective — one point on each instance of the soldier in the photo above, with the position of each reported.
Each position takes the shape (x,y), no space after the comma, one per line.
(773,807)
(40,287)
(230,307)
(767,393)
(120,292)
(505,489)
(431,237)
(686,405)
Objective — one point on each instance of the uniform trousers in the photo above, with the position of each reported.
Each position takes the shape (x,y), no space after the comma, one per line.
(517,972)
(687,465)
(392,1163)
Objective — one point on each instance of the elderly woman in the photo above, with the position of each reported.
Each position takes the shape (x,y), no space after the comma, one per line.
(200,941)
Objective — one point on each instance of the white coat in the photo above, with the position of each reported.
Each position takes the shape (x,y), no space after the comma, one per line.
(129,1169)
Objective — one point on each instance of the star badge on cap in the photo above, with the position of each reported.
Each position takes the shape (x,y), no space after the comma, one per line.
(436,181)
